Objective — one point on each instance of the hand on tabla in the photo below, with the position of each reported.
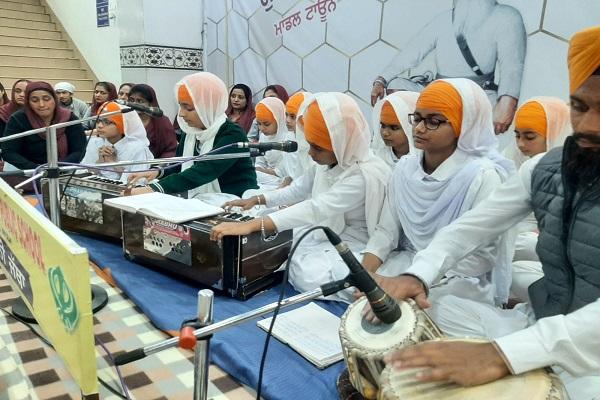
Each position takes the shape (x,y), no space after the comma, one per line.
(465,363)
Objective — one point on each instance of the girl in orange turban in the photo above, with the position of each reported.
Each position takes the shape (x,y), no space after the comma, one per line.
(343,189)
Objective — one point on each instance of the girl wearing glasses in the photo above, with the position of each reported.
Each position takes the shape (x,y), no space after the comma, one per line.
(456,168)
(120,137)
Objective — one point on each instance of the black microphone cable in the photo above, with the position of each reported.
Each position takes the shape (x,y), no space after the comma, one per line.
(276,311)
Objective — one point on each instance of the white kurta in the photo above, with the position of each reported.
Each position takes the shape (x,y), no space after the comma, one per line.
(570,341)
(473,271)
(316,261)
(128,149)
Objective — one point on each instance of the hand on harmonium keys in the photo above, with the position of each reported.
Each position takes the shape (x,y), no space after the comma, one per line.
(244,204)
(234,229)
(463,362)
(399,288)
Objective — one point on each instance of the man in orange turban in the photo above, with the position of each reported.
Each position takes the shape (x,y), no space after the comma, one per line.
(555,327)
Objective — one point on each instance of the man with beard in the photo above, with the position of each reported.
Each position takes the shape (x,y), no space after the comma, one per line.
(559,327)
(468,41)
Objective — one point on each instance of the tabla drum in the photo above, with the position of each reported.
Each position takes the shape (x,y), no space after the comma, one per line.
(365,344)
(541,384)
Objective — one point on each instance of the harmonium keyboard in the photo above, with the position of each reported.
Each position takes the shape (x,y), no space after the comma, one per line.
(239,266)
(81,206)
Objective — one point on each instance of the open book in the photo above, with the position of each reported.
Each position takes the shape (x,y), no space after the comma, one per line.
(311,331)
(166,207)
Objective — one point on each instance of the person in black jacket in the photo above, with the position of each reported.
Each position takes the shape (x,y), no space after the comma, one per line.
(41,109)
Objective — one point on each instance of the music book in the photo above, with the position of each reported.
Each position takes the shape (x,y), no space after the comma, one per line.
(163,206)
(311,331)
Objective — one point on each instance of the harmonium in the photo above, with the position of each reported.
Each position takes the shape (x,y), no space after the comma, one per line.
(81,206)
(238,266)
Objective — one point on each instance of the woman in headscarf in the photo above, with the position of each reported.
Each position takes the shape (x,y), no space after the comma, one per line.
(270,117)
(393,137)
(3,96)
(240,109)
(17,101)
(276,91)
(343,189)
(103,92)
(541,124)
(41,109)
(159,130)
(202,101)
(121,137)
(456,169)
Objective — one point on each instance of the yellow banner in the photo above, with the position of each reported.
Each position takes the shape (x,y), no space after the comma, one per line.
(51,273)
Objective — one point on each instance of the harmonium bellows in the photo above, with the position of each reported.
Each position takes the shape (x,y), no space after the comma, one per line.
(239,266)
(82,208)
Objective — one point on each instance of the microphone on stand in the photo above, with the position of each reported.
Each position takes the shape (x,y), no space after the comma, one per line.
(152,111)
(384,307)
(288,146)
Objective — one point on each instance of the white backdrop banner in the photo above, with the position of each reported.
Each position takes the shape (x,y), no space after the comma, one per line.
(342,45)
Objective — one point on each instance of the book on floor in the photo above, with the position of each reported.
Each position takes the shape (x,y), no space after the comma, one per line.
(163,206)
(311,331)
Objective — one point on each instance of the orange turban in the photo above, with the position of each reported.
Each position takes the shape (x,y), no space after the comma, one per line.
(264,114)
(293,104)
(184,96)
(443,98)
(584,56)
(117,119)
(315,128)
(531,116)
(388,114)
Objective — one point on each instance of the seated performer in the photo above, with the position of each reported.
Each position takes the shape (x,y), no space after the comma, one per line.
(541,124)
(277,91)
(159,130)
(394,132)
(41,109)
(202,101)
(456,169)
(121,137)
(333,192)
(559,326)
(270,117)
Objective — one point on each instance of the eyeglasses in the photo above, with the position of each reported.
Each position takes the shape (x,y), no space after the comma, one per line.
(431,123)
(105,121)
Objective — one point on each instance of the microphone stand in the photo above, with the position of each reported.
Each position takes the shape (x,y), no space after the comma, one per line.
(204,333)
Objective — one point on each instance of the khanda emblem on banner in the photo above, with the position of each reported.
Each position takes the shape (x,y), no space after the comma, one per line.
(64,299)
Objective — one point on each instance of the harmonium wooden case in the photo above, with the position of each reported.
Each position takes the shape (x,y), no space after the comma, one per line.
(82,208)
(239,266)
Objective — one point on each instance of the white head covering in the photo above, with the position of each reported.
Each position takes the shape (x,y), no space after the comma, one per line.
(424,207)
(65,86)
(350,137)
(210,102)
(133,127)
(276,107)
(403,103)
(558,126)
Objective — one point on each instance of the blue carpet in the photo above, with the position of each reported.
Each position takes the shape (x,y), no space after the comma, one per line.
(168,301)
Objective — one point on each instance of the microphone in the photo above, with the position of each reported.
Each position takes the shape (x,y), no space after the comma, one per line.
(288,146)
(152,111)
(383,306)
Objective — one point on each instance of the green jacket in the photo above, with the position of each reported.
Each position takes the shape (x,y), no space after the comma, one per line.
(235,175)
